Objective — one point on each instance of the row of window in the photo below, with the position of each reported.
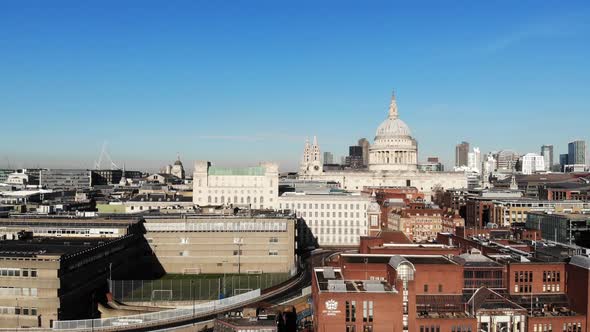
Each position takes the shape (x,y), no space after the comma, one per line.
(551,276)
(185,240)
(18,291)
(235,191)
(567,327)
(325,239)
(431,328)
(367,311)
(322,206)
(523,288)
(551,288)
(523,276)
(366,328)
(335,231)
(317,214)
(18,311)
(335,223)
(248,200)
(16,272)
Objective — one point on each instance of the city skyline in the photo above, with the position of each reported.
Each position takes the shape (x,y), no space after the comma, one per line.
(144,83)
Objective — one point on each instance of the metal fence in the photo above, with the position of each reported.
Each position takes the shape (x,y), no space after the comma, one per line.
(198,289)
(156,317)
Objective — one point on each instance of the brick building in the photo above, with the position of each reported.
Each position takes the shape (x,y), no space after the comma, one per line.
(433,293)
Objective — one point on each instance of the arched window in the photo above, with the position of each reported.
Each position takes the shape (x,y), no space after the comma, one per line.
(208,199)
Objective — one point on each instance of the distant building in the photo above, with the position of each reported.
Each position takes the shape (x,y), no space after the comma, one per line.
(474,160)
(65,178)
(533,163)
(112,176)
(547,153)
(576,152)
(355,157)
(431,167)
(566,228)
(393,161)
(506,160)
(256,187)
(4,173)
(365,145)
(461,154)
(563,158)
(328,158)
(311,162)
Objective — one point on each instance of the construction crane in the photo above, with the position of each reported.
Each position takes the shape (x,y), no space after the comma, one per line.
(104,154)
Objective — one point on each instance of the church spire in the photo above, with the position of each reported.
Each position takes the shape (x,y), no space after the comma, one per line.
(393,107)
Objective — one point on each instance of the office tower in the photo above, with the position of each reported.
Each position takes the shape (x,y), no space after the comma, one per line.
(355,157)
(474,160)
(364,143)
(576,153)
(547,153)
(461,151)
(328,158)
(563,161)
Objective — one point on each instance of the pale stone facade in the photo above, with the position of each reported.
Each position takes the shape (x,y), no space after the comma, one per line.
(392,162)
(336,219)
(311,164)
(228,244)
(255,187)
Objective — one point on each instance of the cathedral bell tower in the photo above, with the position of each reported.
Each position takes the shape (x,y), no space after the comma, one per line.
(311,164)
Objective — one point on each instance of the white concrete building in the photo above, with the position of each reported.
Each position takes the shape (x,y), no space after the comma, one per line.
(474,160)
(532,163)
(337,219)
(255,187)
(393,160)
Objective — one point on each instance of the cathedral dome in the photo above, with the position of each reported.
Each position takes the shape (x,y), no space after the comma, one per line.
(178,162)
(394,148)
(393,128)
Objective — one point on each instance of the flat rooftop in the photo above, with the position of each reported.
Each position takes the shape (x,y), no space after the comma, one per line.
(331,280)
(52,221)
(384,258)
(45,247)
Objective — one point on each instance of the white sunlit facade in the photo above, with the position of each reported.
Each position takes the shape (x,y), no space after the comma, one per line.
(336,219)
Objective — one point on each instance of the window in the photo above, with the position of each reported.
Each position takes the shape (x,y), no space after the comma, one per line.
(273,252)
(440,288)
(425,288)
(273,239)
(237,252)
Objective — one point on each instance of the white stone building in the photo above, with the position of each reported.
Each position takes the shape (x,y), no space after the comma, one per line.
(532,163)
(474,160)
(337,219)
(255,187)
(393,160)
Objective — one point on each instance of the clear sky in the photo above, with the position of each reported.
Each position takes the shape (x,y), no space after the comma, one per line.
(237,82)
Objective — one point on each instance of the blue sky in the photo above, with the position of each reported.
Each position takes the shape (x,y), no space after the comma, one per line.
(245,81)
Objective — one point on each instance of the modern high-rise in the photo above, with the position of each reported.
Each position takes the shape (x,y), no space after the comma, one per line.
(461,151)
(474,160)
(563,161)
(328,158)
(547,153)
(355,157)
(365,145)
(576,153)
